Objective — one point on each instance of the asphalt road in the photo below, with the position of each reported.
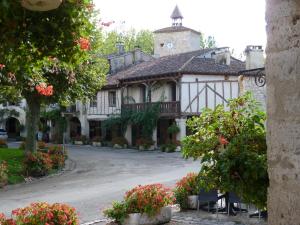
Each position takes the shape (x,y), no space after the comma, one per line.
(98,176)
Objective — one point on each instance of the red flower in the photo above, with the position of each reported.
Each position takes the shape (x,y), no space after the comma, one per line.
(223,140)
(2,66)
(84,43)
(43,89)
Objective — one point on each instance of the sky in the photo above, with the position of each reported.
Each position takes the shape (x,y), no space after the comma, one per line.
(233,23)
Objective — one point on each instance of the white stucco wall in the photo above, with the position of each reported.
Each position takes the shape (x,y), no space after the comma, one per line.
(190,88)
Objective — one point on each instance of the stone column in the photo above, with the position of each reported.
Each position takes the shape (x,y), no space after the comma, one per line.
(283,111)
(128,134)
(182,126)
(154,137)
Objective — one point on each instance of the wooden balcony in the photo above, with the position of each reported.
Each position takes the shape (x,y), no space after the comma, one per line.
(166,109)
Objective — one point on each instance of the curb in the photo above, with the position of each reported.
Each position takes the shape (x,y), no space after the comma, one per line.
(96,221)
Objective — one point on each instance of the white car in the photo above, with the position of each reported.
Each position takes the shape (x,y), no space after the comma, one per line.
(3,134)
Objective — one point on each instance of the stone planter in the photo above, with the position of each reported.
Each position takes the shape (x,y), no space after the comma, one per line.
(151,148)
(96,144)
(192,201)
(78,142)
(164,216)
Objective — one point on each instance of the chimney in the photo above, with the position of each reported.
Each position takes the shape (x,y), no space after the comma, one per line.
(254,57)
(222,55)
(120,48)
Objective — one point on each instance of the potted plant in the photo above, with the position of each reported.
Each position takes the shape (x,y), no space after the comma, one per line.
(80,140)
(119,142)
(186,191)
(96,141)
(143,205)
(145,143)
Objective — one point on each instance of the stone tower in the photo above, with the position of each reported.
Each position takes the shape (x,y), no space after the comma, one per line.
(176,38)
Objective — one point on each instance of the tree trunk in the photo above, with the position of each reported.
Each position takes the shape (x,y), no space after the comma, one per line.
(32,121)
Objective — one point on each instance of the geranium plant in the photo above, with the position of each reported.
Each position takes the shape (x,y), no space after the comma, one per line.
(38,164)
(42,213)
(3,173)
(148,199)
(188,185)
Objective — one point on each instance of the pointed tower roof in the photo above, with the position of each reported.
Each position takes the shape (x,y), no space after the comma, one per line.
(176,14)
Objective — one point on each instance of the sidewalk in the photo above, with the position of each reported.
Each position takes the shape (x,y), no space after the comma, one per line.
(194,217)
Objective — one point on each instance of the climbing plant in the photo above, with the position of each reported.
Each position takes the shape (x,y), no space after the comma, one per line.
(50,56)
(231,143)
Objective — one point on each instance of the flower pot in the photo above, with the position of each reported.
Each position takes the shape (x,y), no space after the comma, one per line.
(151,148)
(192,201)
(117,146)
(132,219)
(96,144)
(164,216)
(78,142)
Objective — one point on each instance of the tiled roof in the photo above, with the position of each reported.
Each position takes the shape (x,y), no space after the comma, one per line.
(186,63)
(175,29)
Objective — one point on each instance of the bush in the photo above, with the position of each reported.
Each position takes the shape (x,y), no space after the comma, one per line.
(82,138)
(145,142)
(119,141)
(173,129)
(22,145)
(3,173)
(118,212)
(97,139)
(58,156)
(148,199)
(3,144)
(170,147)
(42,213)
(38,164)
(41,145)
(188,185)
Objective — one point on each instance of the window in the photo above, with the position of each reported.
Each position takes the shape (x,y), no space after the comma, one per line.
(93,102)
(112,99)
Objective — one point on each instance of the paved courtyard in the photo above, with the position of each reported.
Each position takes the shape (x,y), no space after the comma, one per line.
(97,176)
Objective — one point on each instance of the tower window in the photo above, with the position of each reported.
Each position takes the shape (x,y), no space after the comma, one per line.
(162,45)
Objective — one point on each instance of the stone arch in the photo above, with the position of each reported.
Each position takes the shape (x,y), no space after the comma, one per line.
(75,127)
(13,127)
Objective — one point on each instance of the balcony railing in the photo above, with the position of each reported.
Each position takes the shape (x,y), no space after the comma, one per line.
(165,108)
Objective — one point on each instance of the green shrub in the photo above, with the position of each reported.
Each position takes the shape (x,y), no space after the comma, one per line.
(173,129)
(97,139)
(170,147)
(145,142)
(119,141)
(118,212)
(3,144)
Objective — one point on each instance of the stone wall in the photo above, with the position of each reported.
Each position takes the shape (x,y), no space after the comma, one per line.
(259,93)
(283,108)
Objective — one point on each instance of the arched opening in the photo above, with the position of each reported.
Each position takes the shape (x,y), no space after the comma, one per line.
(12,127)
(75,127)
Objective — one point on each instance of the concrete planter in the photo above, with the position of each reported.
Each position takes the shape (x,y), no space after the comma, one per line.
(151,148)
(78,142)
(96,144)
(192,201)
(164,216)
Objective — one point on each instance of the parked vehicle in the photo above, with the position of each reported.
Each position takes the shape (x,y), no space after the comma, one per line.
(3,134)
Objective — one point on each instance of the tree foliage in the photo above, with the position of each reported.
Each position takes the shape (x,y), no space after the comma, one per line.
(131,39)
(231,143)
(50,56)
(207,42)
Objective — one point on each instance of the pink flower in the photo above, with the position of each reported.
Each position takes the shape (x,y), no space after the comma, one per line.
(223,140)
(2,66)
(84,43)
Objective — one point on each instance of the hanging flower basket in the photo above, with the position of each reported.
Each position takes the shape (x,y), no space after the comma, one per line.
(41,5)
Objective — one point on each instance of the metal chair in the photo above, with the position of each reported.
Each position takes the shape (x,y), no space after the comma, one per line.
(233,198)
(207,197)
